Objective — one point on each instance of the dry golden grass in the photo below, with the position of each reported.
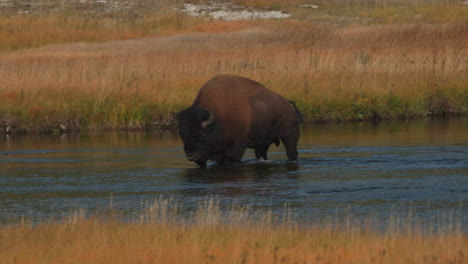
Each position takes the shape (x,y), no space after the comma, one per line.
(30,31)
(209,237)
(334,72)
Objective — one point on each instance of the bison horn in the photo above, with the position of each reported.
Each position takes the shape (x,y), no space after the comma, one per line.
(209,121)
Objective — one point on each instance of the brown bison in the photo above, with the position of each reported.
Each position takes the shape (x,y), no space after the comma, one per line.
(232,113)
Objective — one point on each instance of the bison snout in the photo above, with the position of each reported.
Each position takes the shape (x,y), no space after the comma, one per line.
(192,156)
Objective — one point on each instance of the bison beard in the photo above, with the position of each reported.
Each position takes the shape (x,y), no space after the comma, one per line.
(232,113)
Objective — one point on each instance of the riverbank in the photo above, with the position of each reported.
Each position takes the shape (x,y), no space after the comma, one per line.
(237,236)
(339,63)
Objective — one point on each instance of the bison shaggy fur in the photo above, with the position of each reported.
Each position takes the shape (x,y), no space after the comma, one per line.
(232,113)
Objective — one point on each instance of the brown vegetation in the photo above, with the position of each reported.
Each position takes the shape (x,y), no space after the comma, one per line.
(349,70)
(238,236)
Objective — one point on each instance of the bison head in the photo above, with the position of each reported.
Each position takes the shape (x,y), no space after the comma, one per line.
(197,128)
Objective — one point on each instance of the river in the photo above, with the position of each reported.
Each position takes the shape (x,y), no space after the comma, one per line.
(417,168)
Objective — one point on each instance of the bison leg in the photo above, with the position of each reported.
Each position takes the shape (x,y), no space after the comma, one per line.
(261,152)
(202,164)
(235,152)
(290,143)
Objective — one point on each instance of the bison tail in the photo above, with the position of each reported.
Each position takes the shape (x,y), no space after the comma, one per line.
(301,117)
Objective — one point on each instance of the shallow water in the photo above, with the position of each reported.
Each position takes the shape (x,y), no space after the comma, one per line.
(362,169)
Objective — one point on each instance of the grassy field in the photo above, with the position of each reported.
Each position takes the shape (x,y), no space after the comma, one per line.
(239,235)
(131,66)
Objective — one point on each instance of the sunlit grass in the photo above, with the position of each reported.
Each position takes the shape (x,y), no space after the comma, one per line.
(121,70)
(388,11)
(237,235)
(36,30)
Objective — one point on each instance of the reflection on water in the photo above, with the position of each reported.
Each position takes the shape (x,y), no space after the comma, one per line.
(420,166)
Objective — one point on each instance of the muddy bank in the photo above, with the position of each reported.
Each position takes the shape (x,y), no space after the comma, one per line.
(64,126)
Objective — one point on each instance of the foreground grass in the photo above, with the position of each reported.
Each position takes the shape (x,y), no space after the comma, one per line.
(147,64)
(240,236)
(94,241)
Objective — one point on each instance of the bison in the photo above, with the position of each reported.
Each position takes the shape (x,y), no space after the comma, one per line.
(232,113)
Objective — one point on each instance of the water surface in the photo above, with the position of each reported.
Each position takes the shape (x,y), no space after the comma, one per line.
(361,168)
